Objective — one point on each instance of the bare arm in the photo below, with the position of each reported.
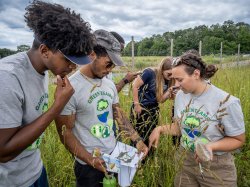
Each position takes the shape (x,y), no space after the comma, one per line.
(170,93)
(172,129)
(135,87)
(228,143)
(128,129)
(166,95)
(14,140)
(127,79)
(64,125)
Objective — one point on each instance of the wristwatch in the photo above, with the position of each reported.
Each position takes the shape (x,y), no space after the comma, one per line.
(137,140)
(125,80)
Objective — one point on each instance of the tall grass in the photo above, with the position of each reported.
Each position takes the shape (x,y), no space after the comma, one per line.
(160,167)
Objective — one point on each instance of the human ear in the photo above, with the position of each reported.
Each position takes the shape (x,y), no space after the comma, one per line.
(44,50)
(92,56)
(196,74)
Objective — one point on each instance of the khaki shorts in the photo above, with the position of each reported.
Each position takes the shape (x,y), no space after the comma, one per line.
(219,172)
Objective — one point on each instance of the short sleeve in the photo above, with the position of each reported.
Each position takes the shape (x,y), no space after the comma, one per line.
(177,106)
(70,107)
(233,122)
(11,101)
(147,75)
(116,97)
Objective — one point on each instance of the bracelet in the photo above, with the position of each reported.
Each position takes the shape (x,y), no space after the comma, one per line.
(137,140)
(125,80)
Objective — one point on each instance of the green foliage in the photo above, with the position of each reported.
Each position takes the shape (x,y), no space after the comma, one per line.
(21,48)
(6,52)
(230,33)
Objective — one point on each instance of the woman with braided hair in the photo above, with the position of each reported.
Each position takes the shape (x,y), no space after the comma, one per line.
(210,123)
(62,39)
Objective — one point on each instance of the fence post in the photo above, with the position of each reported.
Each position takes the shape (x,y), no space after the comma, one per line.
(171,47)
(238,54)
(200,46)
(221,48)
(133,52)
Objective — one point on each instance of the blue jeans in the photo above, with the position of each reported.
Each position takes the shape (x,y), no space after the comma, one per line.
(42,181)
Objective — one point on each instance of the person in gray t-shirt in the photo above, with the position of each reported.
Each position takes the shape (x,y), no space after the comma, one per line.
(86,121)
(62,39)
(211,125)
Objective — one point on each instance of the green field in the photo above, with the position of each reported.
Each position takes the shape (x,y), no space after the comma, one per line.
(160,168)
(141,62)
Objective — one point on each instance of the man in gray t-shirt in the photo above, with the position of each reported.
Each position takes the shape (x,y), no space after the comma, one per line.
(24,113)
(87,119)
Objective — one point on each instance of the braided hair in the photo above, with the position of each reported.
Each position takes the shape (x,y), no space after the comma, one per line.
(59,28)
(192,62)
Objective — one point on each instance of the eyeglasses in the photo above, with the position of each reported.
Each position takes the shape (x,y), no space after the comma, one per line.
(110,65)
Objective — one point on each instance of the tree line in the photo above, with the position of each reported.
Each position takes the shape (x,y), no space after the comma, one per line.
(6,52)
(229,33)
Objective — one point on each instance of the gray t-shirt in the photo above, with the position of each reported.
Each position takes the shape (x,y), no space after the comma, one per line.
(24,97)
(204,117)
(92,103)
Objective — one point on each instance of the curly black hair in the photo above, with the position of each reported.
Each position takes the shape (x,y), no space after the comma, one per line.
(59,28)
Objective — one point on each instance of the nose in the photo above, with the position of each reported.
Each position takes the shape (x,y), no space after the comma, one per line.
(177,84)
(72,66)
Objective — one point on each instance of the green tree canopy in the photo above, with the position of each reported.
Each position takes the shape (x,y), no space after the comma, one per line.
(230,33)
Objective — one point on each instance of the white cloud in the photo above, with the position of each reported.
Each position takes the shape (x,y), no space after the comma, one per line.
(140,18)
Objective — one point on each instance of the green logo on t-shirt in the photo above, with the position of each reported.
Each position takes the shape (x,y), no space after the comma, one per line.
(102,131)
(102,104)
(43,103)
(192,130)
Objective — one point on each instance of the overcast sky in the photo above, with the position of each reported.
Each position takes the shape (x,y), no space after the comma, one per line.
(140,18)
